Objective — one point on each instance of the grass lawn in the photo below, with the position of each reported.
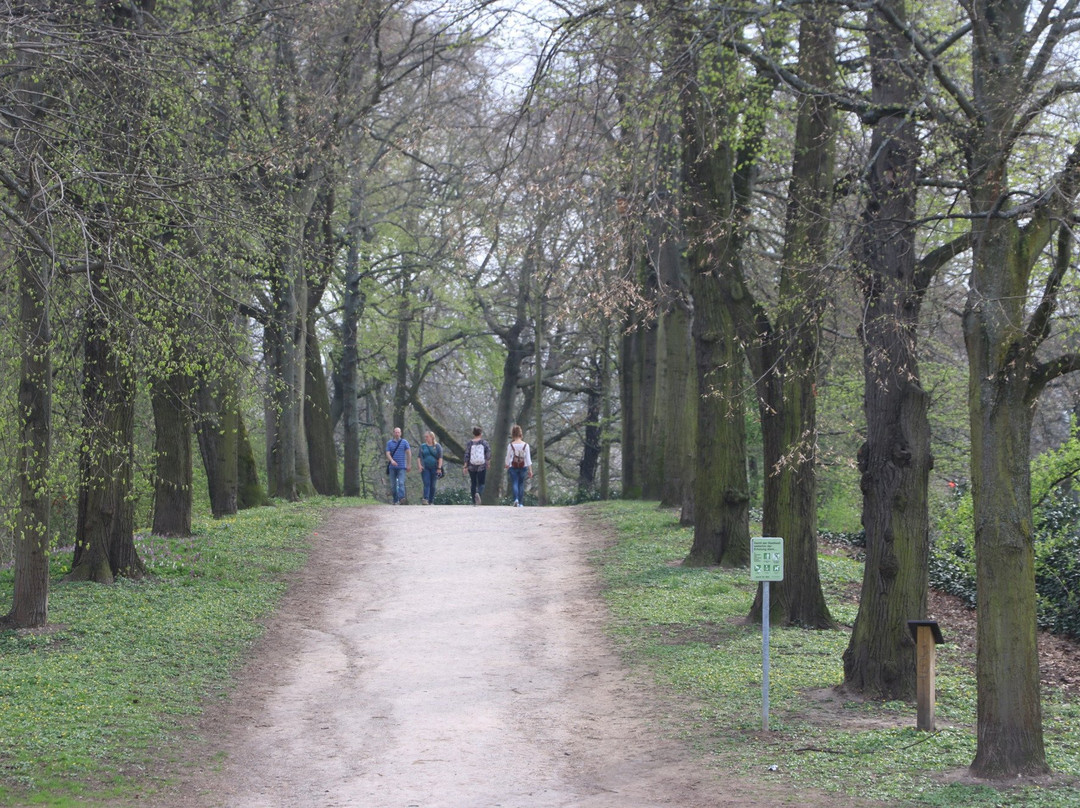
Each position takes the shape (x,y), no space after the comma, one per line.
(686,625)
(87,703)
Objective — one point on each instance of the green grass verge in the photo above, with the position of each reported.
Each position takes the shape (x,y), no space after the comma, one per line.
(685,625)
(87,705)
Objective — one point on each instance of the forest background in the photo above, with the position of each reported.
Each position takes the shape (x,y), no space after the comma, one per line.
(810,259)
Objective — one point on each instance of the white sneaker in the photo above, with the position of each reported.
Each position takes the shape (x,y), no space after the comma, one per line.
(476,499)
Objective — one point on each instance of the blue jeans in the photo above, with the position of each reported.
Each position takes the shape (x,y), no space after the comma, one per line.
(477,479)
(428,475)
(397,483)
(517,482)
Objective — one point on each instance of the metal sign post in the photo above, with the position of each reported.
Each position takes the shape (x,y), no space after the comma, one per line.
(766,564)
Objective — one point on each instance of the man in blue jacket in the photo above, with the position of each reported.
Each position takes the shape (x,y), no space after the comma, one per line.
(398,458)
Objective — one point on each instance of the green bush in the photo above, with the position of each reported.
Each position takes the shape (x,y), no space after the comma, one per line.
(1057,563)
(1057,558)
(952,560)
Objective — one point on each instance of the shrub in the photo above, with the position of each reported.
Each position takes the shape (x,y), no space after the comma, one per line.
(1057,558)
(1057,563)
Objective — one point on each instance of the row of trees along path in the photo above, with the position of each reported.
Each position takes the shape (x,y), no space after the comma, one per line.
(342,216)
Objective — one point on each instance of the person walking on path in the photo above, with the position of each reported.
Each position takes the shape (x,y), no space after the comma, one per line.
(398,458)
(429,464)
(518,464)
(477,460)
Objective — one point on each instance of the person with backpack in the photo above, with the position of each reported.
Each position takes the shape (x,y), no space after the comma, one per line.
(398,458)
(477,460)
(429,464)
(518,465)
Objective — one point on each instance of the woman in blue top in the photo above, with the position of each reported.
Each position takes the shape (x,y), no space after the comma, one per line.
(429,464)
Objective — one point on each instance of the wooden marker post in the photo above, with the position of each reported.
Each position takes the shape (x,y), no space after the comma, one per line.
(927,637)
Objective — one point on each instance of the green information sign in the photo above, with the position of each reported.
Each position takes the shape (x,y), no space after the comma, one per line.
(766,558)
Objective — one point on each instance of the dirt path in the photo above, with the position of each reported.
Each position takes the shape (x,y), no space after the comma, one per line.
(447,657)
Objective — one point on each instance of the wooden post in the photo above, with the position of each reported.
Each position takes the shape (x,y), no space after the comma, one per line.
(927,637)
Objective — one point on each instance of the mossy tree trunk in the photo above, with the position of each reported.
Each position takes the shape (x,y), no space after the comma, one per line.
(710,169)
(1006,320)
(249,491)
(789,410)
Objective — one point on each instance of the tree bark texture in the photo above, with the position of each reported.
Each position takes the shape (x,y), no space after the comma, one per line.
(30,600)
(590,453)
(720,490)
(105,536)
(1009,732)
(789,422)
(538,454)
(353,310)
(217,430)
(318,427)
(401,365)
(30,603)
(895,460)
(288,472)
(1001,342)
(637,379)
(674,415)
(169,400)
(249,491)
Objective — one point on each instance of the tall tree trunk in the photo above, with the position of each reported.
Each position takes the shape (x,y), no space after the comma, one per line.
(637,374)
(1001,405)
(285,338)
(30,604)
(674,414)
(172,450)
(322,451)
(282,411)
(539,461)
(33,264)
(249,491)
(517,351)
(630,405)
(895,460)
(590,455)
(105,536)
(721,500)
(401,368)
(721,491)
(217,427)
(353,310)
(605,415)
(789,424)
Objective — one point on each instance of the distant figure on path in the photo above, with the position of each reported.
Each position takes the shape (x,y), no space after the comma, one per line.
(518,464)
(398,458)
(429,464)
(477,460)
